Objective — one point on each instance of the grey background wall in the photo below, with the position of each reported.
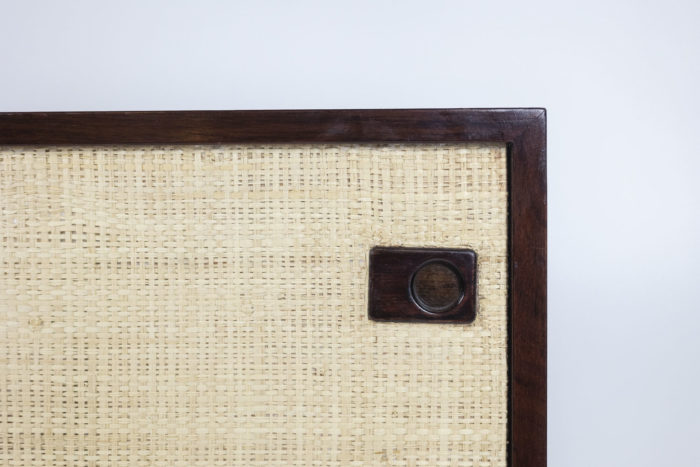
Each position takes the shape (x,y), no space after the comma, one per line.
(619,80)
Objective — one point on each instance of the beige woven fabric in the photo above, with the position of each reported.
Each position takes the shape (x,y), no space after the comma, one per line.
(206,305)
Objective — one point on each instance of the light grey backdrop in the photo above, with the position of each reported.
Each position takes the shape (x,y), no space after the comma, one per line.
(620,82)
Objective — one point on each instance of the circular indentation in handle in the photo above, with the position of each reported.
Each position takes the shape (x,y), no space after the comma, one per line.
(437,286)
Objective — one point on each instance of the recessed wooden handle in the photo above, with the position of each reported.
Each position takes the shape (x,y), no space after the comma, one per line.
(422,284)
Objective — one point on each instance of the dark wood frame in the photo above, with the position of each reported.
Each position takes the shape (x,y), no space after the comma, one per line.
(522,130)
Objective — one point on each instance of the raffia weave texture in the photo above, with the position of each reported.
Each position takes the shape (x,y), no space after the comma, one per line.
(206,305)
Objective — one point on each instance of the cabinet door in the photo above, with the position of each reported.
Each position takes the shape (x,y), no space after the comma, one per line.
(207,304)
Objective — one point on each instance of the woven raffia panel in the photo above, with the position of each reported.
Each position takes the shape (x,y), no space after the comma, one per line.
(207,305)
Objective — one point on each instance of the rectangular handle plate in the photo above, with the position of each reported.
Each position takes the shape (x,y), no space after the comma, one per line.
(422,285)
